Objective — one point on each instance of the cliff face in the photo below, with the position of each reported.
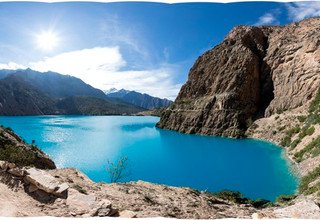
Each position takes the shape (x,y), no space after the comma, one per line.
(254,73)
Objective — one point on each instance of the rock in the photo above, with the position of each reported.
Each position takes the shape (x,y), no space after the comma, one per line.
(3,165)
(255,72)
(11,165)
(127,214)
(303,208)
(17,172)
(81,204)
(62,190)
(105,208)
(32,188)
(42,180)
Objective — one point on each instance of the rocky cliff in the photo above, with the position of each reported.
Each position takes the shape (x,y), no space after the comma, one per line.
(254,73)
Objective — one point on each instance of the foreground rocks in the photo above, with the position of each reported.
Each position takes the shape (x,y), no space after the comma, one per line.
(34,194)
(47,194)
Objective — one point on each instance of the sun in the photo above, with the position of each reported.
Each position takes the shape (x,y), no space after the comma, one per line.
(47,40)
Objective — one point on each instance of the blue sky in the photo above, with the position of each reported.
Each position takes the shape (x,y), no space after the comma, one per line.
(148,47)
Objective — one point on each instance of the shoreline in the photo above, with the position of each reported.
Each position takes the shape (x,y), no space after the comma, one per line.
(293,168)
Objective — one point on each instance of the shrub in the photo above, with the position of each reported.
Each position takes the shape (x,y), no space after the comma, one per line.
(310,131)
(309,178)
(314,144)
(232,196)
(315,104)
(286,141)
(17,155)
(285,199)
(117,171)
(302,118)
(260,203)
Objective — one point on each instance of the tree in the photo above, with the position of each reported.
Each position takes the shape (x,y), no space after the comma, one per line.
(118,170)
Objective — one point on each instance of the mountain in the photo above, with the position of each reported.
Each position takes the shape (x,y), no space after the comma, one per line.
(58,85)
(143,100)
(255,72)
(84,105)
(28,92)
(263,83)
(19,98)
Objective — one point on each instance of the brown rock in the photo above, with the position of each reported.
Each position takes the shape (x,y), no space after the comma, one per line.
(255,72)
(3,165)
(127,214)
(42,180)
(17,172)
(32,188)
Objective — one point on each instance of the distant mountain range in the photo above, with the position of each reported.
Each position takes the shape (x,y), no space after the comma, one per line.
(139,99)
(28,92)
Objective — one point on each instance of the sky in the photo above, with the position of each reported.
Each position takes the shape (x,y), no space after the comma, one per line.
(146,47)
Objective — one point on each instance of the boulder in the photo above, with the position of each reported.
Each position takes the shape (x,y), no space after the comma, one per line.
(32,188)
(105,208)
(127,214)
(62,190)
(17,172)
(44,181)
(80,203)
(3,165)
(11,165)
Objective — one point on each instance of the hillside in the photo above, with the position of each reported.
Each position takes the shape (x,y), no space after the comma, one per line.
(28,92)
(142,100)
(260,82)
(84,105)
(58,85)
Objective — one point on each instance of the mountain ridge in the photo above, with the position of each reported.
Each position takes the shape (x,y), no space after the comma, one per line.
(139,99)
(29,92)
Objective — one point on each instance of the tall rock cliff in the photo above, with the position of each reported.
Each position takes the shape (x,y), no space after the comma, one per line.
(254,73)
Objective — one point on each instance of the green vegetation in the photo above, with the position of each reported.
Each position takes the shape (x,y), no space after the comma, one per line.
(16,155)
(307,129)
(285,199)
(313,148)
(302,118)
(237,197)
(306,180)
(315,105)
(14,150)
(287,140)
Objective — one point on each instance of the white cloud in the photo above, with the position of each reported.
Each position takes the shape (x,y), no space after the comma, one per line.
(101,67)
(301,10)
(267,19)
(11,66)
(157,82)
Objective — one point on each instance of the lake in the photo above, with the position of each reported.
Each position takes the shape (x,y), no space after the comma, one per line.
(257,169)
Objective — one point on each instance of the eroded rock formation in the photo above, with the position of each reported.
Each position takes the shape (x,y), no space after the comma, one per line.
(254,73)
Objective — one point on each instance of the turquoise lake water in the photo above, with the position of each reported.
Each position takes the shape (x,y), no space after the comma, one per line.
(255,168)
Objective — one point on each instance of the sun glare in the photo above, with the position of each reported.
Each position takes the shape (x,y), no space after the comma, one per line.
(47,40)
